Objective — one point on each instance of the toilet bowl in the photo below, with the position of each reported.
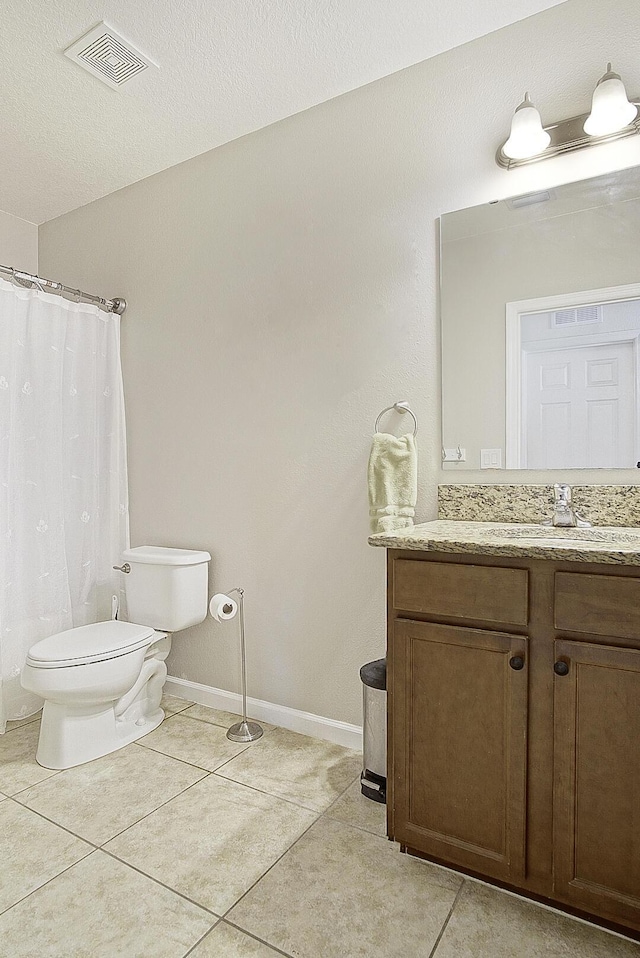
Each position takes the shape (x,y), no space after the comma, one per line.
(83,675)
(102,683)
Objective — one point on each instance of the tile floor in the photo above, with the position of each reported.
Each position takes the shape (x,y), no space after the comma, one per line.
(187,844)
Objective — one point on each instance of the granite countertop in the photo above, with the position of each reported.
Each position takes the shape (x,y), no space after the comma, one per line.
(615,545)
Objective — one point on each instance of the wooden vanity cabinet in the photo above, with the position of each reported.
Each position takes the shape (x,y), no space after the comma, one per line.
(514,724)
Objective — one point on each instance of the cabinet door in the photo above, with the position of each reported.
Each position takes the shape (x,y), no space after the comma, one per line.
(597,779)
(460,723)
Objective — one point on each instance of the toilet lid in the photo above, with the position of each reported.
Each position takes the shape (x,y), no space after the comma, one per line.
(89,643)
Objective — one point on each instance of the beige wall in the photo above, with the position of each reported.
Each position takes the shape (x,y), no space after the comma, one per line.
(18,243)
(282,290)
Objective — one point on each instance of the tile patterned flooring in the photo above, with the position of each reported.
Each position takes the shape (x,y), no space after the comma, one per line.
(184,843)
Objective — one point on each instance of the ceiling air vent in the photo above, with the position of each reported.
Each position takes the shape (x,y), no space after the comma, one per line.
(108,56)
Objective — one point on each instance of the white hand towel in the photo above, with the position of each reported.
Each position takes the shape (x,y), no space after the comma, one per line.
(393,482)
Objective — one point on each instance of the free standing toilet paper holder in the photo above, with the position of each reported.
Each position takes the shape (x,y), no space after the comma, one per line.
(243,731)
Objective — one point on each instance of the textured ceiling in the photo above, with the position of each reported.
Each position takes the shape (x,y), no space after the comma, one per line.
(228,67)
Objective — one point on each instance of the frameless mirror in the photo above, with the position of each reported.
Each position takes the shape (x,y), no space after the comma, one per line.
(540,309)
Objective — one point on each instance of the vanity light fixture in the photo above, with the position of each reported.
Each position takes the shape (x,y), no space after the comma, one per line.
(610,109)
(528,137)
(613,116)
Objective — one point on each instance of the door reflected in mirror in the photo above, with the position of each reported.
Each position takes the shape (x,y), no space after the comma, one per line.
(572,381)
(540,310)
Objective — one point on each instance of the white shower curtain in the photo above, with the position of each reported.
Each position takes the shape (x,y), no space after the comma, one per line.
(63,482)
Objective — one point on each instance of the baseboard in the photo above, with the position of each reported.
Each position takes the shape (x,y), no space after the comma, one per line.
(341,733)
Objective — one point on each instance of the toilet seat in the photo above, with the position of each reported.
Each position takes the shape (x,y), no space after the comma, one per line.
(86,644)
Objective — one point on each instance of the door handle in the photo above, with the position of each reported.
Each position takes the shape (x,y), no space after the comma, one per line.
(561,668)
(516,663)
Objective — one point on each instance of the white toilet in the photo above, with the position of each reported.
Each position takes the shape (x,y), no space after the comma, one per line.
(102,683)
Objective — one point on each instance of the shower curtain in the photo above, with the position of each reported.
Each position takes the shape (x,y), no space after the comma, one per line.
(63,481)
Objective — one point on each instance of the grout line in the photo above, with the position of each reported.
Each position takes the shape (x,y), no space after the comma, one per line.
(266,872)
(201,939)
(157,881)
(51,821)
(446,921)
(196,718)
(206,774)
(171,888)
(338,797)
(342,794)
(359,828)
(341,821)
(228,921)
(218,770)
(227,760)
(376,835)
(278,951)
(92,847)
(54,772)
(209,771)
(169,712)
(540,904)
(148,748)
(196,903)
(152,812)
(49,880)
(95,845)
(42,780)
(279,859)
(261,791)
(29,721)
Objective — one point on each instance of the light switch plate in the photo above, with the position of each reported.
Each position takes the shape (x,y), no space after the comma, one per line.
(491,458)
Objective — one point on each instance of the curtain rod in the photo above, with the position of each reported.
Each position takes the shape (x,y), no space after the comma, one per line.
(116,305)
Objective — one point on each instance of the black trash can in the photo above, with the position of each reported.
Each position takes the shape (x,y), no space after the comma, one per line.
(373,781)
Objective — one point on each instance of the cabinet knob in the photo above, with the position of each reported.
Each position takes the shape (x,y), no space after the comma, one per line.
(516,663)
(561,668)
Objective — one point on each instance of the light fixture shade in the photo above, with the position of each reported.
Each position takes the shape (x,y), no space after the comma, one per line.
(528,137)
(610,109)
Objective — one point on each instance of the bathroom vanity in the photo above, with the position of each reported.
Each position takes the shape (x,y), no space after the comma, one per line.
(513,675)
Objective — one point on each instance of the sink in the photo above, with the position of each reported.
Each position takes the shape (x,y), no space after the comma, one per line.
(559,535)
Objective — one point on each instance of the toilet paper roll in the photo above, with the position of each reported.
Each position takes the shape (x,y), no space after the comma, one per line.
(222,607)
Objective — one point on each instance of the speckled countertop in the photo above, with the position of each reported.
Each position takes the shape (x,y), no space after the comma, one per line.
(615,545)
(602,505)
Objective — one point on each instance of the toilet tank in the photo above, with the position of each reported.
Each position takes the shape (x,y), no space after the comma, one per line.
(166,589)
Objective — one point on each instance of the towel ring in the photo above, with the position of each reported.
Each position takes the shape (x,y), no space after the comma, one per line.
(402,408)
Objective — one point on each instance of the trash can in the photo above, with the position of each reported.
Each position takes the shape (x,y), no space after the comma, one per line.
(373,781)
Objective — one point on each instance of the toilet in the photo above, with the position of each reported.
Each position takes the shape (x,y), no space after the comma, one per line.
(102,683)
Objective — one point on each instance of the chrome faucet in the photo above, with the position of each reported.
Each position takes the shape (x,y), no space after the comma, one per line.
(564,515)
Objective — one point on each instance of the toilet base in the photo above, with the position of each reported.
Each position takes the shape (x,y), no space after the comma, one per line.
(69,736)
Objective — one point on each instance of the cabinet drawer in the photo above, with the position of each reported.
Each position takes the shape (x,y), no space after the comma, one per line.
(598,604)
(486,593)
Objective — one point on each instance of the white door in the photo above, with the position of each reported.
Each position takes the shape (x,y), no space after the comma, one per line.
(579,407)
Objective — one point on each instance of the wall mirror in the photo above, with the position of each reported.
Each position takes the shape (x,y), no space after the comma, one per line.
(540,310)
